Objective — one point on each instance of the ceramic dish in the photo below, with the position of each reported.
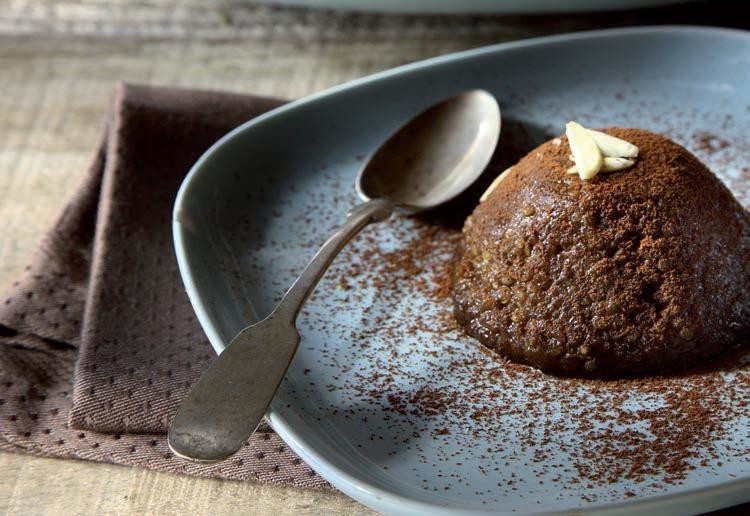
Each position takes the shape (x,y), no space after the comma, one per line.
(362,401)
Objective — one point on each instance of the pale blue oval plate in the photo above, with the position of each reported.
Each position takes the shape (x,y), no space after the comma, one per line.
(254,208)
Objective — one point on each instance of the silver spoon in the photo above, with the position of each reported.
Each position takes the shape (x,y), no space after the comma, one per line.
(427,162)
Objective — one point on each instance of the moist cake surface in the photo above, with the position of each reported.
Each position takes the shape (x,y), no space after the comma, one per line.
(639,271)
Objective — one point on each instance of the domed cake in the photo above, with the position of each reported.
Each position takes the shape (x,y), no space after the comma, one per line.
(636,271)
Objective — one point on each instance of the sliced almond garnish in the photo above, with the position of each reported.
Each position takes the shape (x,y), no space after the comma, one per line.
(494,184)
(609,165)
(615,164)
(613,147)
(585,151)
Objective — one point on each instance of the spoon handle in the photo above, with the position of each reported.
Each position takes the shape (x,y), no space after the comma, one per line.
(360,216)
(224,408)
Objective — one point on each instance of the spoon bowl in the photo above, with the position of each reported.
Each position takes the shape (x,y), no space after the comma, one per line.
(436,155)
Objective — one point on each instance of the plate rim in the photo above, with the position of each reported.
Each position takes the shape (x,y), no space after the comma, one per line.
(380,499)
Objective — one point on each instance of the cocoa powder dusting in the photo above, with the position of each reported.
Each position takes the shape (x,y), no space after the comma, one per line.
(649,430)
(709,143)
(407,379)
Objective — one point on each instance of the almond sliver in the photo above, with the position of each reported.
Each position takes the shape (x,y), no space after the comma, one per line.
(613,147)
(494,184)
(586,153)
(608,165)
(615,164)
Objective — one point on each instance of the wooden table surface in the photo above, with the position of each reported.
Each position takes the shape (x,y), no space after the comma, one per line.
(58,64)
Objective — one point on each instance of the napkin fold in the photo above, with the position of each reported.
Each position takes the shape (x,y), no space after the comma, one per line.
(98,342)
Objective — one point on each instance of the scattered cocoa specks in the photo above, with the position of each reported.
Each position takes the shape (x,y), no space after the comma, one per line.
(709,143)
(380,330)
(644,430)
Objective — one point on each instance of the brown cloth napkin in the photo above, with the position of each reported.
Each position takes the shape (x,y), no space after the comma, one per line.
(98,342)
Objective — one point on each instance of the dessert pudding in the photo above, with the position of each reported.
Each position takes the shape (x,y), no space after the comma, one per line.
(606,254)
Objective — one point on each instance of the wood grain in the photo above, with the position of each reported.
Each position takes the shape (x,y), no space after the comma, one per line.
(33,485)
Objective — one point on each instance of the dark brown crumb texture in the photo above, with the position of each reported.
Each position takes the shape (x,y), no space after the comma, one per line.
(636,272)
